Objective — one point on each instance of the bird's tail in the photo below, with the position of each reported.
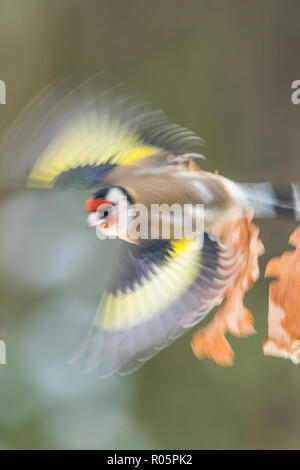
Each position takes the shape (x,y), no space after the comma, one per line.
(272,200)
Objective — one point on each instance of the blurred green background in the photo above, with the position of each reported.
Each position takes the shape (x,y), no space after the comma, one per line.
(223,69)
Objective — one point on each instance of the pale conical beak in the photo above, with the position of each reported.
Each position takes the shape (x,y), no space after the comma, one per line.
(93,220)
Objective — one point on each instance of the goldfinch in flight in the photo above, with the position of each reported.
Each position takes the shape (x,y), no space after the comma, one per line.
(127,154)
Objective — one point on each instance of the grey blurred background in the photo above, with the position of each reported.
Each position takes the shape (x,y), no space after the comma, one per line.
(223,69)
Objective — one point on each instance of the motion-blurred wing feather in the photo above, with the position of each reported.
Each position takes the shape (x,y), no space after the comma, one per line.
(76,136)
(159,290)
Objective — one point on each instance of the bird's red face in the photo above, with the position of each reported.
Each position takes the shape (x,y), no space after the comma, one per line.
(102,213)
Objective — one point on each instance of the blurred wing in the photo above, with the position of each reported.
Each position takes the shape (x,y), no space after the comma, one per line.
(77,136)
(159,290)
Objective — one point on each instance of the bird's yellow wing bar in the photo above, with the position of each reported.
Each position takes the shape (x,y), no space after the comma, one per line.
(76,135)
(91,144)
(157,292)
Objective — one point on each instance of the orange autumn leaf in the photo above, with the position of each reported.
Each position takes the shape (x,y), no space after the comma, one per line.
(284,303)
(240,242)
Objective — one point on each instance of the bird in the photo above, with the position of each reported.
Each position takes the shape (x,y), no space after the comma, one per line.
(126,154)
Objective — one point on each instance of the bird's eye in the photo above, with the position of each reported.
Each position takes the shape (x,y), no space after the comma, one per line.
(105,211)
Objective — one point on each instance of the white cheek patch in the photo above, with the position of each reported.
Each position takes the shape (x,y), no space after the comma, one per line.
(117,227)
